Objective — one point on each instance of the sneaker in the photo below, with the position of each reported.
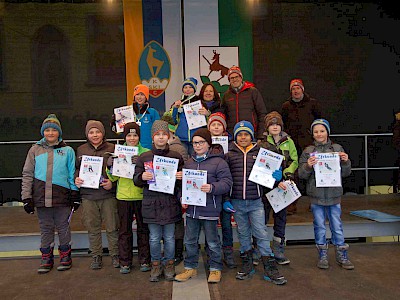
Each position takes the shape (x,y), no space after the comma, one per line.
(145,267)
(125,269)
(186,275)
(214,277)
(115,261)
(97,262)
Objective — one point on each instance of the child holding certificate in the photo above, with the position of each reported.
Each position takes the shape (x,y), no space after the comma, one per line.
(278,141)
(48,185)
(99,204)
(219,182)
(246,202)
(129,203)
(160,210)
(325,201)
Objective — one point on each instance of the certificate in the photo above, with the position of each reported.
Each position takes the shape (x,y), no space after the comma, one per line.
(193,117)
(266,163)
(221,140)
(123,115)
(327,170)
(192,180)
(279,199)
(165,169)
(90,171)
(122,164)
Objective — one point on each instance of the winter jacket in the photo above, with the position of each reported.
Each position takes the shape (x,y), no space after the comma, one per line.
(322,195)
(126,189)
(158,208)
(48,175)
(89,149)
(241,162)
(146,116)
(285,146)
(247,104)
(176,145)
(220,178)
(298,116)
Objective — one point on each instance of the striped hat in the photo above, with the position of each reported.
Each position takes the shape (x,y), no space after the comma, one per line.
(51,122)
(243,126)
(217,117)
(321,122)
(190,81)
(297,82)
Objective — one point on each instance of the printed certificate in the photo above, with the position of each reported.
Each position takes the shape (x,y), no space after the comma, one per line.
(123,115)
(328,170)
(266,163)
(122,165)
(221,140)
(90,171)
(193,117)
(279,199)
(165,169)
(192,180)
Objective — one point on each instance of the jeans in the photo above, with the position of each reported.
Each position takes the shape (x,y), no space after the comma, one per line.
(250,219)
(333,213)
(192,233)
(167,233)
(226,226)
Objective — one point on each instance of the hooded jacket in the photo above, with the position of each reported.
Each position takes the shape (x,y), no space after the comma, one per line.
(146,116)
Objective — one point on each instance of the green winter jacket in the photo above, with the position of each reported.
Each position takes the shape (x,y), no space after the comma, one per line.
(126,189)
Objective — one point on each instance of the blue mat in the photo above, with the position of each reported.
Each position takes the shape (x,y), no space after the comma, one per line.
(375,215)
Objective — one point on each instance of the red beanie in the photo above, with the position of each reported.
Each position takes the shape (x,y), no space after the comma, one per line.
(297,82)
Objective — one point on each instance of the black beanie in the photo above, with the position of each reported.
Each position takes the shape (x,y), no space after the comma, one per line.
(205,134)
(131,127)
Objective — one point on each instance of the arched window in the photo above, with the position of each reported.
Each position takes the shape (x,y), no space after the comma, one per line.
(50,68)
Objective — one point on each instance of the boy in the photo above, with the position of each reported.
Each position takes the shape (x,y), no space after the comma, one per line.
(247,204)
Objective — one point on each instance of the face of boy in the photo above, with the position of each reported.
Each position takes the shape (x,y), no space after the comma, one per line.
(132,139)
(243,139)
(216,129)
(200,146)
(95,136)
(140,98)
(320,133)
(297,92)
(51,135)
(188,90)
(160,139)
(274,129)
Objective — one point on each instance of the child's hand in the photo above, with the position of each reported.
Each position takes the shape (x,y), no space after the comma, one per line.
(185,206)
(78,182)
(147,176)
(177,103)
(343,156)
(204,111)
(179,175)
(312,161)
(106,184)
(282,186)
(206,188)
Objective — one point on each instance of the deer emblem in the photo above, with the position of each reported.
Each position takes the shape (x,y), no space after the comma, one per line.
(215,66)
(153,63)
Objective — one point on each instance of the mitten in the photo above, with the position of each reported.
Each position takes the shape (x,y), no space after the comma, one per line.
(228,207)
(277,175)
(29,206)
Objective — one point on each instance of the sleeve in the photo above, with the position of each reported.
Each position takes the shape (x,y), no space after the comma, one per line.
(71,170)
(174,114)
(111,176)
(304,170)
(289,170)
(139,170)
(284,113)
(345,166)
(156,115)
(78,161)
(224,179)
(28,172)
(261,112)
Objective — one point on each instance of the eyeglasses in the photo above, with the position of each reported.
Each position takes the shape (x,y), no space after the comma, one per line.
(234,77)
(201,143)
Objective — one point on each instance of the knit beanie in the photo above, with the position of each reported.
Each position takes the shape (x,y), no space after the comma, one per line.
(95,124)
(190,81)
(205,134)
(298,82)
(159,125)
(141,88)
(234,69)
(217,117)
(51,122)
(321,122)
(243,126)
(273,118)
(131,127)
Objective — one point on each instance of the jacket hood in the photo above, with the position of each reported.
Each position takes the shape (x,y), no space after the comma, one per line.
(246,85)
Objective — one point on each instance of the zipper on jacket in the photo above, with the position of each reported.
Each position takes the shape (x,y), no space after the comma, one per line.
(215,205)
(244,174)
(237,108)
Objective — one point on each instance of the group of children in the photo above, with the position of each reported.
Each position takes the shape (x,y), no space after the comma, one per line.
(51,183)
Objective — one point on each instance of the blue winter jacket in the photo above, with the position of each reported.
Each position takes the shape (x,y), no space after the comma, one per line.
(146,116)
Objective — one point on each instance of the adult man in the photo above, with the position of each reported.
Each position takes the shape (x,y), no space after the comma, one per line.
(243,102)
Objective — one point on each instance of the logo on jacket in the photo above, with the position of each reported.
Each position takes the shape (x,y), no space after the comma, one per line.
(60,152)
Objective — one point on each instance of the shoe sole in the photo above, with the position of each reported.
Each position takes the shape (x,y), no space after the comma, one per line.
(346,267)
(184,280)
(246,277)
(281,282)
(43,271)
(286,262)
(63,268)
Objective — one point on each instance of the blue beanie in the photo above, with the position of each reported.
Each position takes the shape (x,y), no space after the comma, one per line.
(51,122)
(243,126)
(321,122)
(190,81)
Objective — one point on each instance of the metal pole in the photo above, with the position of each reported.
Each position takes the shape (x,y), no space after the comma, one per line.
(366,164)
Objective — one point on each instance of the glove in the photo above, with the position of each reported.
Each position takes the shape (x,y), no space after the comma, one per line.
(228,207)
(277,175)
(29,206)
(75,200)
(134,159)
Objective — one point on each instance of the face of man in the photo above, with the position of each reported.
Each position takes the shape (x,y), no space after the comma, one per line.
(297,92)
(235,80)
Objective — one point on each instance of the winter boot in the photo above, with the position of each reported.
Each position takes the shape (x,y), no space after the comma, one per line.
(341,257)
(97,262)
(186,275)
(323,256)
(229,259)
(278,247)
(47,262)
(65,258)
(156,271)
(247,271)
(271,272)
(169,270)
(256,255)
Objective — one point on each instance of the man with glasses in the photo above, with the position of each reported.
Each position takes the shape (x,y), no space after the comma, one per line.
(243,102)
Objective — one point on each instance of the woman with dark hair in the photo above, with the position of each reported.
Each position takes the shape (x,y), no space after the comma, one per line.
(210,98)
